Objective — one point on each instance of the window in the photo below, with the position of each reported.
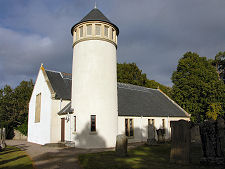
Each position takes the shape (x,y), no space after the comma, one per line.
(89,29)
(97,29)
(106,30)
(74,36)
(93,123)
(38,108)
(113,34)
(77,36)
(151,122)
(129,129)
(163,123)
(81,31)
(75,123)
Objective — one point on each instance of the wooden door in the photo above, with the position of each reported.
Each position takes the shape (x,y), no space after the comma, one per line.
(62,129)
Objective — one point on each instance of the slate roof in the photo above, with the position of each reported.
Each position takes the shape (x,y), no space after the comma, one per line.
(61,84)
(95,15)
(66,109)
(141,101)
(132,100)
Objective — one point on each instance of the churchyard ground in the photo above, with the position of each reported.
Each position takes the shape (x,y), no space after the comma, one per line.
(13,157)
(144,157)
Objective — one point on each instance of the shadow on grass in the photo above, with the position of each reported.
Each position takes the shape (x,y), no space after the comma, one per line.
(145,157)
(12,159)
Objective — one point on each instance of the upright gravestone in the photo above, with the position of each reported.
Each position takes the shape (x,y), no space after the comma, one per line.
(181,139)
(2,139)
(161,135)
(121,145)
(212,135)
(151,135)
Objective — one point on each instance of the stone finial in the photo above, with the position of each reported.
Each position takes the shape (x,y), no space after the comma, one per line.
(42,67)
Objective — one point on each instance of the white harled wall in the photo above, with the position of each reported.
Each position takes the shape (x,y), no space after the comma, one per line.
(40,132)
(140,125)
(94,92)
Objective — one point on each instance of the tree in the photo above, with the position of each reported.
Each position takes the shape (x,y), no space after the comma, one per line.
(14,106)
(219,63)
(130,73)
(196,86)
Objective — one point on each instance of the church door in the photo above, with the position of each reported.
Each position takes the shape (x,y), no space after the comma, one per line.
(62,129)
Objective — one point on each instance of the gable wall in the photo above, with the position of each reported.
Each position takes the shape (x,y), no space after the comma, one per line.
(40,132)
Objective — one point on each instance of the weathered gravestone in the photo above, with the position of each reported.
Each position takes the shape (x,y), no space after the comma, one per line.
(161,135)
(181,140)
(151,135)
(212,136)
(121,145)
(2,139)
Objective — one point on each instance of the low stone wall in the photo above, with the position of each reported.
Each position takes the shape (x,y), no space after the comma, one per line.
(19,136)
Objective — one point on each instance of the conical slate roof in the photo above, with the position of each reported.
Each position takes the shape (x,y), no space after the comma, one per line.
(96,15)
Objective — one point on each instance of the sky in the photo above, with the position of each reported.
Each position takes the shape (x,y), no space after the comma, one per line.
(153,33)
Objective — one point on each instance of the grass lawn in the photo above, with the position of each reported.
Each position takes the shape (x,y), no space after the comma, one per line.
(143,157)
(14,158)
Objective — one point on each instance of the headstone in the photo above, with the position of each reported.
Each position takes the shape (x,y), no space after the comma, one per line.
(212,135)
(121,145)
(151,135)
(195,134)
(2,139)
(161,135)
(181,140)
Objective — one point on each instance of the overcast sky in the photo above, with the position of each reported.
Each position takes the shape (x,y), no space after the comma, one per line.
(153,33)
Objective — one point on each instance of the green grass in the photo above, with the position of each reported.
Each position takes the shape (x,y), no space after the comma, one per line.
(143,157)
(14,158)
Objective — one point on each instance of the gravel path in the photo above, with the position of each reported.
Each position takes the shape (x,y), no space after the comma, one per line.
(44,157)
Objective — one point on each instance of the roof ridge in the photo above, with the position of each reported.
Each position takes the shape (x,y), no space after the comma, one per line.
(52,71)
(135,87)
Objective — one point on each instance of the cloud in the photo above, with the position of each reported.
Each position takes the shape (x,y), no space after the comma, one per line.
(153,33)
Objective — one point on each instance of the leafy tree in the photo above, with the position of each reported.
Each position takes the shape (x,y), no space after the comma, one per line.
(219,63)
(196,86)
(14,106)
(214,110)
(130,73)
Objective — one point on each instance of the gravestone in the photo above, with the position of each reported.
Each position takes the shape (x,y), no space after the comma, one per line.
(212,135)
(2,139)
(161,135)
(181,140)
(121,145)
(195,134)
(151,135)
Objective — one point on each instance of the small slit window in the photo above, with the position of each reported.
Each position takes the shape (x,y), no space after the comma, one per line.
(163,123)
(93,123)
(98,29)
(89,29)
(151,122)
(75,123)
(81,31)
(106,30)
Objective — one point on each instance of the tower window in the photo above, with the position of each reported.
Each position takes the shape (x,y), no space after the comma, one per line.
(129,128)
(97,29)
(113,34)
(93,123)
(106,30)
(81,31)
(89,29)
(38,108)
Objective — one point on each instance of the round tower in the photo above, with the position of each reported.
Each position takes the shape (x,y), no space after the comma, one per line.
(94,81)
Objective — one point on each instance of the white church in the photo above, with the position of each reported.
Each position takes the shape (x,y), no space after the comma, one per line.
(89,107)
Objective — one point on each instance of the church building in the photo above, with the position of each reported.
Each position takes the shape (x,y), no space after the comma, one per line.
(89,108)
